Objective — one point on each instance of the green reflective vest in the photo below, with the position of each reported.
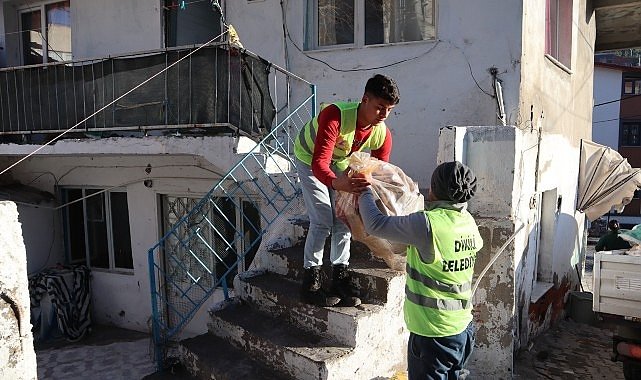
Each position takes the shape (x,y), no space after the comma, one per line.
(304,143)
(437,301)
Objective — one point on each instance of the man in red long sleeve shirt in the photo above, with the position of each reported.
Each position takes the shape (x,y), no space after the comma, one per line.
(322,149)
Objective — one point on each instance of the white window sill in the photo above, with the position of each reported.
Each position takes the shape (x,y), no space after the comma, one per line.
(332,48)
(539,289)
(558,64)
(127,272)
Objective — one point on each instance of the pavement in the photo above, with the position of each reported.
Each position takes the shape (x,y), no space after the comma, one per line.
(569,350)
(105,353)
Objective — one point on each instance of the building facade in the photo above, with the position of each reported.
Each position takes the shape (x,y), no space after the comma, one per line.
(522,68)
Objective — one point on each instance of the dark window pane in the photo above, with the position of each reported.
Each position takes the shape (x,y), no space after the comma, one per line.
(76,227)
(630,135)
(198,23)
(121,233)
(335,22)
(31,38)
(251,231)
(58,31)
(97,230)
(389,21)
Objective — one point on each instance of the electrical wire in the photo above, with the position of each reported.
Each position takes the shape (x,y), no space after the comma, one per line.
(289,37)
(110,103)
(618,118)
(618,100)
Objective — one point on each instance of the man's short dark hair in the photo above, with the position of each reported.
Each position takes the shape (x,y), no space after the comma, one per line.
(613,224)
(383,87)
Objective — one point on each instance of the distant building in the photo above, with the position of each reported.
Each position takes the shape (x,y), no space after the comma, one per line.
(616,121)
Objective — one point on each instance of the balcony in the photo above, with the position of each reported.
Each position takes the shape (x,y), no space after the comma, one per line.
(208,90)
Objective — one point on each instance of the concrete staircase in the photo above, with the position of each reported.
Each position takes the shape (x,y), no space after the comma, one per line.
(265,332)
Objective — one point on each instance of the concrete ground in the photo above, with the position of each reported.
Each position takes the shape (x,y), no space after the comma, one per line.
(569,350)
(105,353)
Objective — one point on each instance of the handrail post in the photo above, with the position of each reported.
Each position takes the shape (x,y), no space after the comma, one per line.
(155,327)
(313,87)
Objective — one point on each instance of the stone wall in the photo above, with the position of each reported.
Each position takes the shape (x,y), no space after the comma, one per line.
(17,356)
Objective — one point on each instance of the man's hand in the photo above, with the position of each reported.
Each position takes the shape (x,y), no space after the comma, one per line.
(356,184)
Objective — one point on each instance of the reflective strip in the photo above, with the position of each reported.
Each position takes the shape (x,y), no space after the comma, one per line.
(437,285)
(435,303)
(302,139)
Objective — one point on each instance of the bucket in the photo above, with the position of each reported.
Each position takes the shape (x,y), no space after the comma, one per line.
(581,308)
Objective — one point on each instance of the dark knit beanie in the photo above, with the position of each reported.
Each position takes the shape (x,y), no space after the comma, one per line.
(453,181)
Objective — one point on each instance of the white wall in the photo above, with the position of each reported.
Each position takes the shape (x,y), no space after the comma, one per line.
(607,87)
(557,103)
(100,28)
(436,86)
(44,222)
(179,166)
(17,357)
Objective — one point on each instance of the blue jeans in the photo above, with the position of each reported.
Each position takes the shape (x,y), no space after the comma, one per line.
(439,358)
(319,200)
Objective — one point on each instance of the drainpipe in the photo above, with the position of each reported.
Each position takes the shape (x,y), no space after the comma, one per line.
(498,95)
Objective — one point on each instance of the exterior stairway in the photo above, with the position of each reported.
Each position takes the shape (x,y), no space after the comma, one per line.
(265,332)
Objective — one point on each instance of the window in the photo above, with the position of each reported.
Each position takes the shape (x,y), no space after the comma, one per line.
(97,228)
(558,31)
(54,43)
(630,134)
(370,22)
(632,86)
(196,23)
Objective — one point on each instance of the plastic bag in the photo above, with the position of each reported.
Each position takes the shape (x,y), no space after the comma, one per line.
(397,195)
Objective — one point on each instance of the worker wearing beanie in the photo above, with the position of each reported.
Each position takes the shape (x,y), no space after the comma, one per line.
(322,148)
(442,243)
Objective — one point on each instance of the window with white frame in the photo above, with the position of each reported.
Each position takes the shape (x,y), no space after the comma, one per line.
(97,228)
(46,33)
(558,31)
(369,22)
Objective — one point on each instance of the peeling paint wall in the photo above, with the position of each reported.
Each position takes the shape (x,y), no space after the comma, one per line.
(556,101)
(17,357)
(494,155)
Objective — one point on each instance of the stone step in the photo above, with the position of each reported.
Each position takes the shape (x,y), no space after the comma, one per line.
(209,357)
(369,274)
(276,295)
(279,344)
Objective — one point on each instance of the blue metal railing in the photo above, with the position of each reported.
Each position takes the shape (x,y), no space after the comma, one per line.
(214,240)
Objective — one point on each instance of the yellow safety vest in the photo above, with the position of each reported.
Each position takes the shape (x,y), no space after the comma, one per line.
(304,143)
(437,302)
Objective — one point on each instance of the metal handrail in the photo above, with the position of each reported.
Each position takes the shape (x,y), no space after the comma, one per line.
(266,176)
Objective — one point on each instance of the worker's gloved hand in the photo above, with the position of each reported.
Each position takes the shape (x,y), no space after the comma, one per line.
(356,183)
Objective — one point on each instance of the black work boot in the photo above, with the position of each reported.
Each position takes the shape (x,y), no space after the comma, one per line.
(342,286)
(312,292)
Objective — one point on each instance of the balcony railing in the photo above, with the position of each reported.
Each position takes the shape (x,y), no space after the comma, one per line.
(216,86)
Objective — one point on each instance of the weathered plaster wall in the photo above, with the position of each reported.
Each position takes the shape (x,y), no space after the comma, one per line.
(41,221)
(17,357)
(177,166)
(101,28)
(605,118)
(436,83)
(494,155)
(556,101)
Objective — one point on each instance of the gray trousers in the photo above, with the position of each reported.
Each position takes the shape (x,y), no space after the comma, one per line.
(319,200)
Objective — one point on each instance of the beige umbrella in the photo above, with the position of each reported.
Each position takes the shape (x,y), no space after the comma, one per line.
(606,180)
